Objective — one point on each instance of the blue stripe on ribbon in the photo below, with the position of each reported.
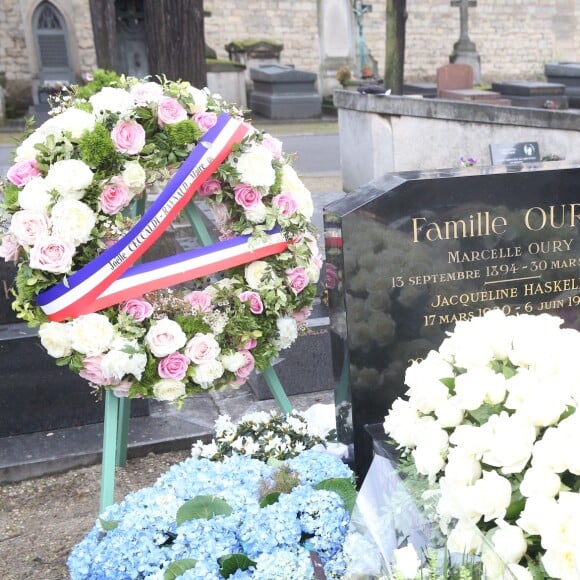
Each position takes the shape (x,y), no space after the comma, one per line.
(174,183)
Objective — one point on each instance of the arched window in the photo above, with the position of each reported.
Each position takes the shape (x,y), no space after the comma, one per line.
(51,38)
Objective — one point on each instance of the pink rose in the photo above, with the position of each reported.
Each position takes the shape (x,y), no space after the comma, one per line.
(247,196)
(200,301)
(286,203)
(115,196)
(144,93)
(123,388)
(202,348)
(297,279)
(164,337)
(52,254)
(331,276)
(128,137)
(244,371)
(27,225)
(273,145)
(21,173)
(170,111)
(205,121)
(210,187)
(173,366)
(301,315)
(9,248)
(256,306)
(138,309)
(92,370)
(250,344)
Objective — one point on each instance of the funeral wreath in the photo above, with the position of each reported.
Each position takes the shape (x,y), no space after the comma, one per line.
(95,186)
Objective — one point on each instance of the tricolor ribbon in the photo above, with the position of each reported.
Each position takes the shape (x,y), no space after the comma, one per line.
(112,277)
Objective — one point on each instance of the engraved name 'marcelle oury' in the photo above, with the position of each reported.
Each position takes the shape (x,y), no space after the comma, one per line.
(485,223)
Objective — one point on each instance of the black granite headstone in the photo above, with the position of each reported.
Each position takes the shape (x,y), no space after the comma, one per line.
(414,253)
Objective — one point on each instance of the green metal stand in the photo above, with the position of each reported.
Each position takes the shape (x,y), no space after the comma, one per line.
(117,410)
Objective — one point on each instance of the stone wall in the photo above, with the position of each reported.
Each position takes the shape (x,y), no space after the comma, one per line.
(514,38)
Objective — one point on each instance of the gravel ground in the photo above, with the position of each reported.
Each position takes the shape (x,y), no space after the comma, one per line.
(42,519)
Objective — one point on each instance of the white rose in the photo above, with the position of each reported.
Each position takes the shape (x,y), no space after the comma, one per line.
(168,390)
(492,495)
(449,413)
(560,563)
(426,391)
(509,542)
(256,214)
(510,442)
(519,572)
(34,196)
(471,439)
(205,374)
(292,183)
(539,481)
(287,332)
(134,176)
(401,423)
(113,100)
(164,337)
(493,565)
(255,167)
(537,510)
(73,220)
(118,363)
(550,452)
(233,361)
(462,468)
(465,538)
(471,387)
(70,178)
(258,274)
(199,100)
(27,151)
(73,121)
(457,502)
(91,333)
(144,93)
(432,445)
(406,561)
(54,337)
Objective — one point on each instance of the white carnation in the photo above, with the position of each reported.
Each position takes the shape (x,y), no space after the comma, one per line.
(72,121)
(112,99)
(287,332)
(258,274)
(205,374)
(233,361)
(91,333)
(73,220)
(120,362)
(27,151)
(255,167)
(256,214)
(70,178)
(199,99)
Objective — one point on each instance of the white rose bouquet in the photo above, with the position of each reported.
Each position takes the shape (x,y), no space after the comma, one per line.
(490,424)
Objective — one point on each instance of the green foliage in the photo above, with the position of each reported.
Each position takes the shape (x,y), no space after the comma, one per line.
(101,78)
(343,487)
(108,525)
(182,134)
(284,480)
(10,192)
(178,568)
(96,148)
(231,563)
(269,499)
(202,507)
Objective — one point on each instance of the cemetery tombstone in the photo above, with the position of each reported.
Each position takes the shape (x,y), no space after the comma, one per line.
(412,253)
(37,395)
(512,153)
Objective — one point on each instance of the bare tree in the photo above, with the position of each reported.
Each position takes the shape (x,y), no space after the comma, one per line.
(395,45)
(176,40)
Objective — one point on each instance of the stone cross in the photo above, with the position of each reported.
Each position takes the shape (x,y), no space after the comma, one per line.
(464,43)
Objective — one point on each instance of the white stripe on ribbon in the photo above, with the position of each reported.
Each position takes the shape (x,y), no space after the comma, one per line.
(77,294)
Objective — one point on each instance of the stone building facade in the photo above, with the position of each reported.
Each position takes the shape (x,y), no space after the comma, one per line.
(514,39)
